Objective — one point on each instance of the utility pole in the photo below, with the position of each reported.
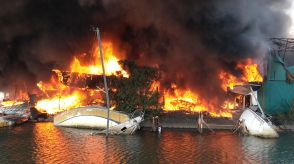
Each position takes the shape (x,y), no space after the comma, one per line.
(104,77)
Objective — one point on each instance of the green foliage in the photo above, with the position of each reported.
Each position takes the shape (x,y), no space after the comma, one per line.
(134,92)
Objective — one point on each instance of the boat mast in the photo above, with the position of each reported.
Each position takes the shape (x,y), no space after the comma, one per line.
(104,77)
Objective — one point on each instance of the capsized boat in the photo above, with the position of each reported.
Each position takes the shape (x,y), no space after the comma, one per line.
(95,117)
(256,125)
(128,127)
(253,120)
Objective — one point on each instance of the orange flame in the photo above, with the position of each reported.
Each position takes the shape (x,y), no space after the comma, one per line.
(59,103)
(181,99)
(228,80)
(229,105)
(250,73)
(10,103)
(112,66)
(61,97)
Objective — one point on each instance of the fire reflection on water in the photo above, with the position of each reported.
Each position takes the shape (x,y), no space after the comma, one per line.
(66,145)
(44,143)
(223,148)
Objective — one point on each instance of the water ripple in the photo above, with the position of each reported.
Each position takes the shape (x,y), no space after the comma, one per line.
(44,143)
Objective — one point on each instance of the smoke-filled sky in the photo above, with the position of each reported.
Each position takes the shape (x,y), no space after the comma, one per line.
(190,41)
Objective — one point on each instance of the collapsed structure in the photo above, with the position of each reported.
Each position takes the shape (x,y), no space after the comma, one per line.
(277,92)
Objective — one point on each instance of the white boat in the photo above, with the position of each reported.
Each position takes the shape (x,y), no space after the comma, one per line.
(128,127)
(95,117)
(256,125)
(253,120)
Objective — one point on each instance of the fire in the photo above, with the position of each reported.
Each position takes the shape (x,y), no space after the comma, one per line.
(53,86)
(229,105)
(155,86)
(221,114)
(185,99)
(10,103)
(112,66)
(228,80)
(181,99)
(250,73)
(60,97)
(59,103)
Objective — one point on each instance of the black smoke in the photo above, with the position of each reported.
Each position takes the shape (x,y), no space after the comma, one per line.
(189,41)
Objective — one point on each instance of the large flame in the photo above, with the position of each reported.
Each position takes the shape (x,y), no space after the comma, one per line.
(112,66)
(60,103)
(250,73)
(60,97)
(184,99)
(180,99)
(228,80)
(19,97)
(10,103)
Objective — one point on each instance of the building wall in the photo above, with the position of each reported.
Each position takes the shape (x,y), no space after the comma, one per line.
(276,95)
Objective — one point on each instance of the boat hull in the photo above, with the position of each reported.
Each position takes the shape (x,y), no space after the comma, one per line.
(89,117)
(257,126)
(128,127)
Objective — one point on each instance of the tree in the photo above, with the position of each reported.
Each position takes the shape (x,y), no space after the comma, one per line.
(135,92)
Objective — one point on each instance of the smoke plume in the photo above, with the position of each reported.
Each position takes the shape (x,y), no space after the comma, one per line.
(189,41)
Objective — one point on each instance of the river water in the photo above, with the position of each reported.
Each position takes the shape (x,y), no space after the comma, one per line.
(44,143)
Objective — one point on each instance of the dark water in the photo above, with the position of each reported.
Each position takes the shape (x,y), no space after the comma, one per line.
(44,143)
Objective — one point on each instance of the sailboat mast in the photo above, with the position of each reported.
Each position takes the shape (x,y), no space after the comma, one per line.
(104,77)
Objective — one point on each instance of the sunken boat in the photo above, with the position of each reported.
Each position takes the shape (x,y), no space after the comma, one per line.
(253,120)
(93,117)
